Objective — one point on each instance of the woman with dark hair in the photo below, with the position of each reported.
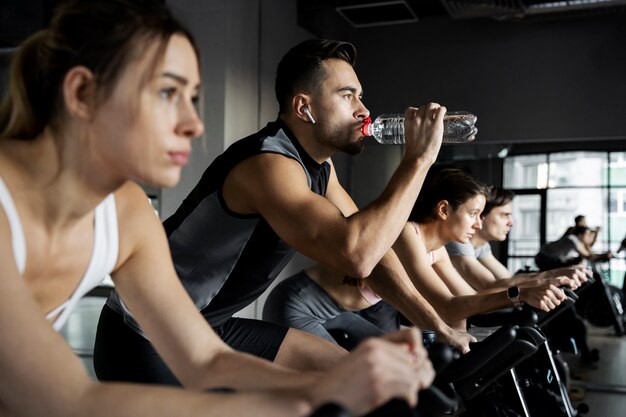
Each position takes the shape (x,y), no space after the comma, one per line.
(477,264)
(448,209)
(101,98)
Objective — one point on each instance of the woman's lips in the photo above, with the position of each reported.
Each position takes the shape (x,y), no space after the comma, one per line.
(179,158)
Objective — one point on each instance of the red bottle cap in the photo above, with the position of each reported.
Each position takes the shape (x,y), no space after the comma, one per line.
(365,129)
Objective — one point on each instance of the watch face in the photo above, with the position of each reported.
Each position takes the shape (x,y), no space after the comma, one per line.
(512,292)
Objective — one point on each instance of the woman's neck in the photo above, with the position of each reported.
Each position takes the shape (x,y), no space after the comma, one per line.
(432,236)
(56,182)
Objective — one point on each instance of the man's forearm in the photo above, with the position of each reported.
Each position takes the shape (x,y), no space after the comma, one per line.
(380,223)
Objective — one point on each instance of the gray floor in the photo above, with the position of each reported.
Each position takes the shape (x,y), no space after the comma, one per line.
(602,385)
(594,385)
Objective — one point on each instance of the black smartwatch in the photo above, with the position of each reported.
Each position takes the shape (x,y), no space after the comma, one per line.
(513,294)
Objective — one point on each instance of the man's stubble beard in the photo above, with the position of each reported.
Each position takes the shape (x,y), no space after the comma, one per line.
(347,146)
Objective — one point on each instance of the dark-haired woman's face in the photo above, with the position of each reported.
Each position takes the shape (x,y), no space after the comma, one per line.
(463,222)
(145,135)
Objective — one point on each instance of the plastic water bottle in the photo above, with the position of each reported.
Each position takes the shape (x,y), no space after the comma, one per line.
(388,129)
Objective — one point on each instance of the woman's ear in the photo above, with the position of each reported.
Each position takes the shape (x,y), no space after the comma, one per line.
(79,92)
(442,209)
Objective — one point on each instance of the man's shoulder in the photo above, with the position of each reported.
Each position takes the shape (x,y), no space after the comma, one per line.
(271,139)
(483,250)
(460,249)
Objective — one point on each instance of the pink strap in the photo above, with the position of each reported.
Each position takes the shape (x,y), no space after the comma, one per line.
(369,295)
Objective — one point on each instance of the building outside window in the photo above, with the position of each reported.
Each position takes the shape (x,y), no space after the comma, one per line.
(554,188)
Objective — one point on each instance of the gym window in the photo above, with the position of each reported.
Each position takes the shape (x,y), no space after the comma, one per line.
(553,188)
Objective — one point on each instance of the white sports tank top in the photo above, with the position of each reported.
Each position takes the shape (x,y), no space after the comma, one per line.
(103,257)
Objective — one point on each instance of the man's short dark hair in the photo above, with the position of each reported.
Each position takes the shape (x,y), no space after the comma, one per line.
(497,197)
(300,69)
(578,218)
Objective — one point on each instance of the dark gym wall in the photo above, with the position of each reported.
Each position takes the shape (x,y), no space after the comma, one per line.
(526,80)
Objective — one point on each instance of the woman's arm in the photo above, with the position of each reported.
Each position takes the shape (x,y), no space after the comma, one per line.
(452,308)
(544,295)
(40,375)
(146,279)
(445,289)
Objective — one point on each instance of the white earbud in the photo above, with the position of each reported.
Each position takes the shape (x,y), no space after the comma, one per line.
(308,114)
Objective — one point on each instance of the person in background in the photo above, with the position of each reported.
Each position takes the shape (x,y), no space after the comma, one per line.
(568,330)
(571,249)
(274,193)
(482,271)
(581,220)
(476,263)
(448,208)
(103,97)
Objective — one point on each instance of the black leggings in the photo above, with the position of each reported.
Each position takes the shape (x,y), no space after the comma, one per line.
(121,354)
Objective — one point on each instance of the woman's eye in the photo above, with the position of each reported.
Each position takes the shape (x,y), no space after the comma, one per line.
(167,93)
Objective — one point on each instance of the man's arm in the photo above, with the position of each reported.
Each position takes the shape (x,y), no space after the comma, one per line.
(353,242)
(494,266)
(390,281)
(477,275)
(488,274)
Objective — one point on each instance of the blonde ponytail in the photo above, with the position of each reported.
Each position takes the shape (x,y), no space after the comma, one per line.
(25,111)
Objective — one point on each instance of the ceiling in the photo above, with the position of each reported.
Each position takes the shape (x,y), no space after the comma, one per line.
(20,18)
(313,14)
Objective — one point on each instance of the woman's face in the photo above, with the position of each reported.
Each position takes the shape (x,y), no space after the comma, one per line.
(463,222)
(145,134)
